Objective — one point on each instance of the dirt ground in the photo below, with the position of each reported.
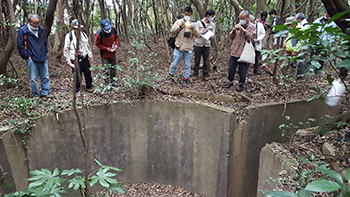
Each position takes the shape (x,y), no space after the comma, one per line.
(258,89)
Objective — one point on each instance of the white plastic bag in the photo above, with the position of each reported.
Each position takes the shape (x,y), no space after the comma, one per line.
(248,54)
(335,94)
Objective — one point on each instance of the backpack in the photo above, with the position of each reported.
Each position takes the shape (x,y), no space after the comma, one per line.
(171,41)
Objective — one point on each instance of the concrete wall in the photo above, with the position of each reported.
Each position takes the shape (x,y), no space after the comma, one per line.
(183,144)
(271,163)
(195,146)
(261,127)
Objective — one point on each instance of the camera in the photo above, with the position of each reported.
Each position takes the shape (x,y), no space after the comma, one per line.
(187,34)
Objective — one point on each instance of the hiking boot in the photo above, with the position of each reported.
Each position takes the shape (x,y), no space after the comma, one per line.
(49,96)
(184,83)
(239,88)
(206,78)
(195,77)
(230,84)
(256,72)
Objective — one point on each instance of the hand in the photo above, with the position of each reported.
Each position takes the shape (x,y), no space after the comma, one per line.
(294,53)
(241,29)
(110,49)
(256,41)
(205,30)
(29,58)
(91,60)
(191,26)
(284,45)
(182,23)
(68,63)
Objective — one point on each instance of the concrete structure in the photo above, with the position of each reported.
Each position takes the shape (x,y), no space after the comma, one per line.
(195,146)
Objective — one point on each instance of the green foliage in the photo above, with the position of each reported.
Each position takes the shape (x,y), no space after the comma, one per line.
(330,43)
(333,183)
(289,126)
(8,81)
(101,87)
(45,183)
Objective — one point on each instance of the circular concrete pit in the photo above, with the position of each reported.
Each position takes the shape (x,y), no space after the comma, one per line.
(195,146)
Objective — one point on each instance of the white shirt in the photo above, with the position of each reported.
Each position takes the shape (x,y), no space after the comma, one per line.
(260,34)
(69,46)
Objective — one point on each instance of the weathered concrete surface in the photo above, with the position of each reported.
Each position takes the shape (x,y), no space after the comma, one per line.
(183,144)
(198,147)
(13,161)
(261,127)
(270,165)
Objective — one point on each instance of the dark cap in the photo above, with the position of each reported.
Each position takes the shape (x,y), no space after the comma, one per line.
(75,23)
(105,24)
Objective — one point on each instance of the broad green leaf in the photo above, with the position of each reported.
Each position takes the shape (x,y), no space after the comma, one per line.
(37,183)
(322,186)
(331,173)
(281,194)
(347,175)
(315,64)
(97,162)
(304,160)
(304,193)
(56,172)
(312,98)
(344,63)
(94,180)
(345,193)
(104,183)
(305,173)
(335,17)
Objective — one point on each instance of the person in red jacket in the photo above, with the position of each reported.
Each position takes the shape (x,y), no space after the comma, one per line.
(107,40)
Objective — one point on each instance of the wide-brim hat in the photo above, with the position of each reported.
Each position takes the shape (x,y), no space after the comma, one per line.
(105,24)
(290,20)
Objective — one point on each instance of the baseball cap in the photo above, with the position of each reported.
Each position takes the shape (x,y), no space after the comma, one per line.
(75,23)
(105,24)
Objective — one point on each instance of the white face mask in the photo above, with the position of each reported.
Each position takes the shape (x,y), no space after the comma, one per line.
(242,22)
(33,28)
(211,19)
(187,18)
(107,31)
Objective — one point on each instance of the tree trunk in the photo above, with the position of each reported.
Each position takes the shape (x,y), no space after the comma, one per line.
(201,8)
(6,53)
(103,10)
(59,36)
(25,14)
(336,6)
(237,6)
(125,22)
(260,6)
(2,28)
(86,21)
(156,17)
(49,17)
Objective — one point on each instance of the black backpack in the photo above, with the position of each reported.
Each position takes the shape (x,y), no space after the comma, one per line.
(171,41)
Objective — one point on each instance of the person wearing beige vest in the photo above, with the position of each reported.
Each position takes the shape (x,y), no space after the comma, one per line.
(186,34)
(242,32)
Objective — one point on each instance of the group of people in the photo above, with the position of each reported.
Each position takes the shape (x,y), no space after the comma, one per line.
(190,37)
(32,46)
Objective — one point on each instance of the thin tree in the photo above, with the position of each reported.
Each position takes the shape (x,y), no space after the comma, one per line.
(49,17)
(11,36)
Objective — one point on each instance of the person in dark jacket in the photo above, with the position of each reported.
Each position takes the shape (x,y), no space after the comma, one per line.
(32,46)
(107,40)
(276,20)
